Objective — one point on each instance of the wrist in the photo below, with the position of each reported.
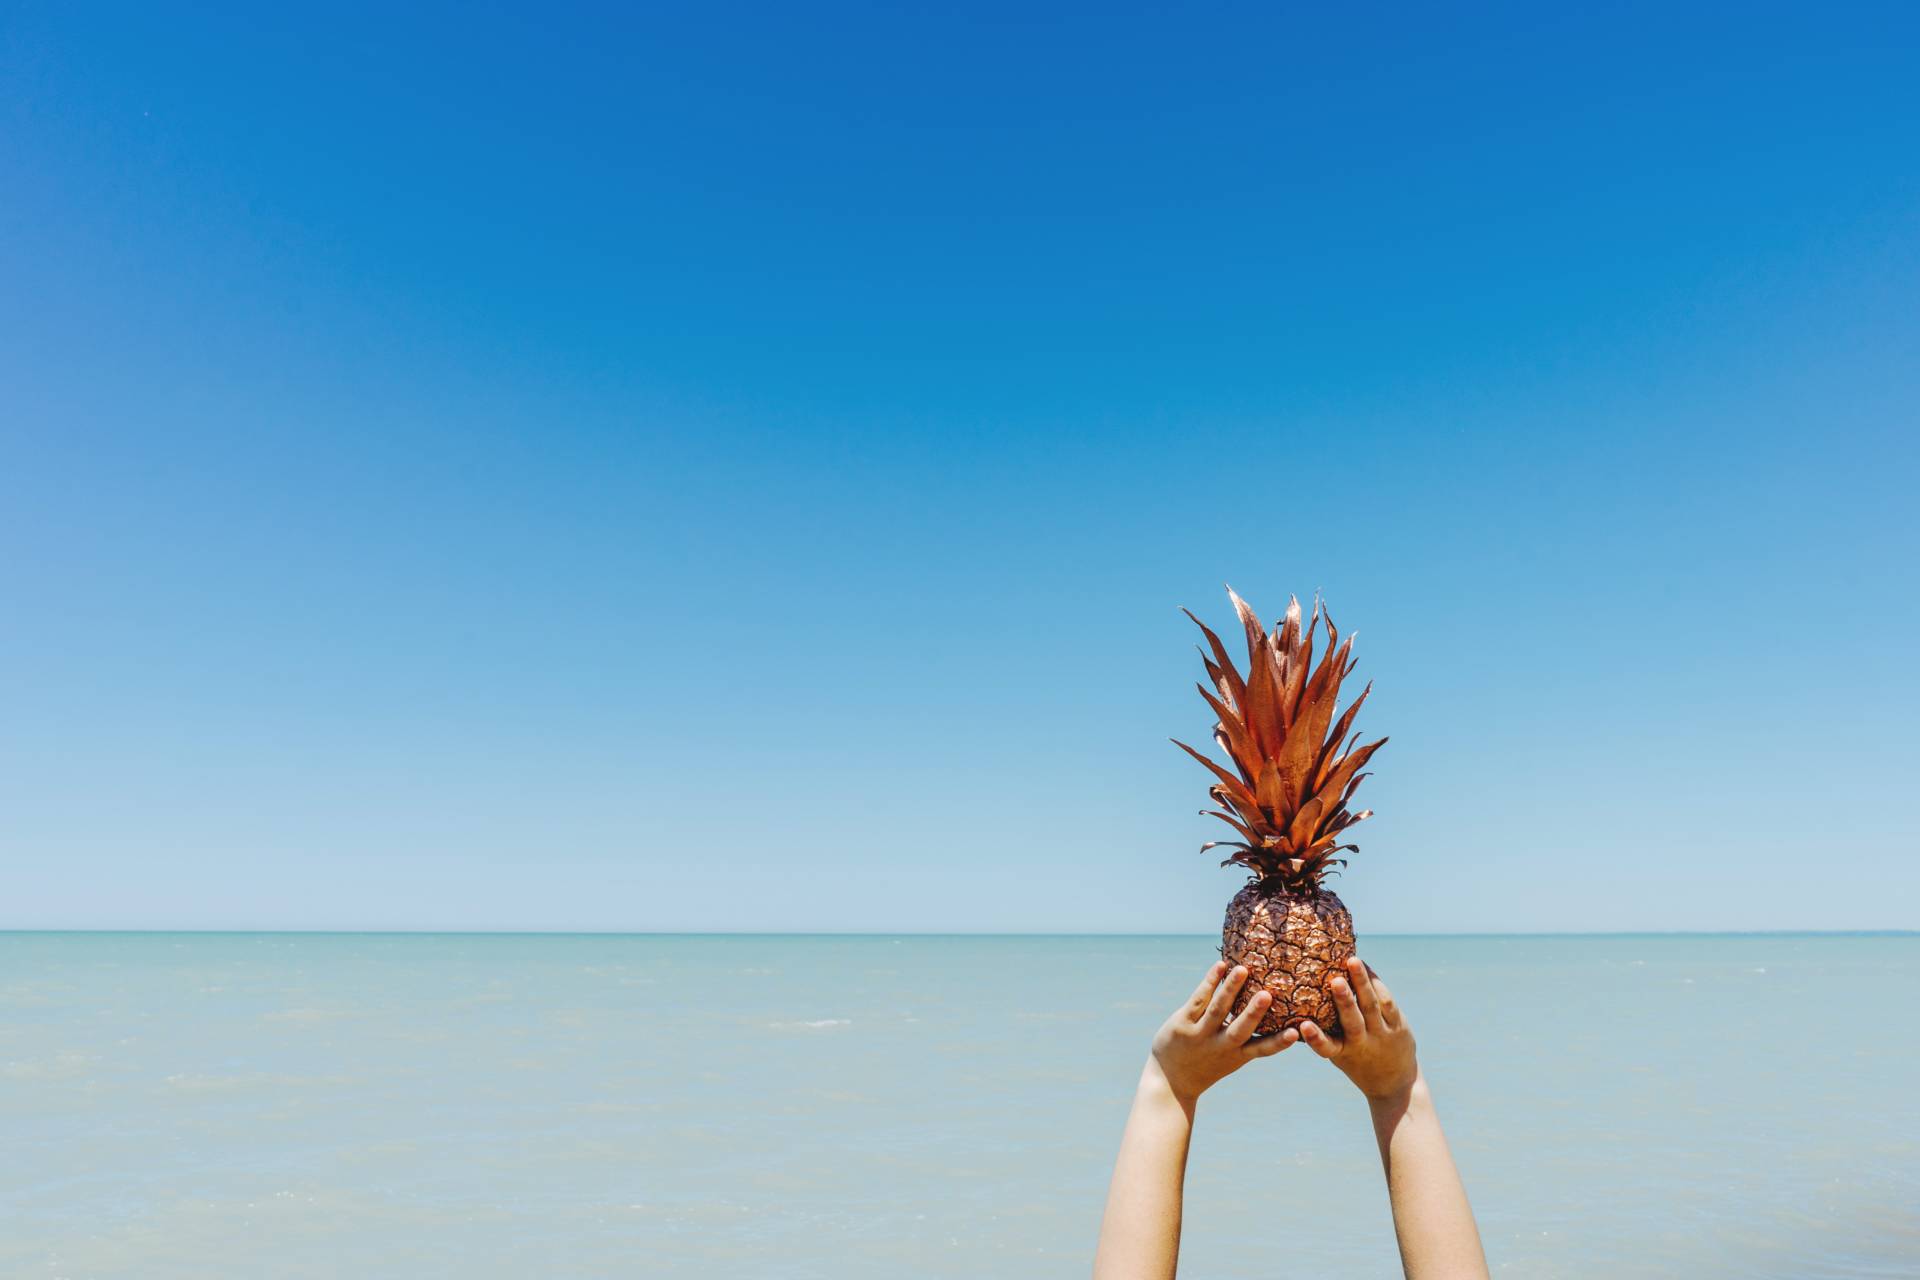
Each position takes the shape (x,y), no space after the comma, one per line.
(1401,1096)
(1156,1088)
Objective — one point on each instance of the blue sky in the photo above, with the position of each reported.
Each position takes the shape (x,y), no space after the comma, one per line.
(726,466)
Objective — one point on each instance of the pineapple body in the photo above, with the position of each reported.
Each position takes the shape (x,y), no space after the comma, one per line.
(1293,942)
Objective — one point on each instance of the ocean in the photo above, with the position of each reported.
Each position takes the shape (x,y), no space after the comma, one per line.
(373,1105)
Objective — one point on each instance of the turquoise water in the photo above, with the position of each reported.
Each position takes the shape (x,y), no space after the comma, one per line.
(416,1105)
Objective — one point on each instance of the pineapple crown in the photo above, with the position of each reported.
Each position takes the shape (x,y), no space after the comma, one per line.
(1288,802)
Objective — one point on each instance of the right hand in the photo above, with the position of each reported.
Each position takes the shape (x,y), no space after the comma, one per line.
(1375,1049)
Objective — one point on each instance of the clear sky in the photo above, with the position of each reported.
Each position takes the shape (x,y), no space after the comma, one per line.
(735,467)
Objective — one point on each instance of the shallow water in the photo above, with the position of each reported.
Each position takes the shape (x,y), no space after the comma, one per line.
(419,1105)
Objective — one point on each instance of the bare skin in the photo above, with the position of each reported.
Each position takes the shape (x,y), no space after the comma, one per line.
(1194,1049)
(1198,1047)
(1431,1217)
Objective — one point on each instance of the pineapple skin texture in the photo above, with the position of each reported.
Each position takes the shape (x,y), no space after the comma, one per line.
(1293,944)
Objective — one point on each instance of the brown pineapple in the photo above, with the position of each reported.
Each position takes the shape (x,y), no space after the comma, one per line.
(1286,799)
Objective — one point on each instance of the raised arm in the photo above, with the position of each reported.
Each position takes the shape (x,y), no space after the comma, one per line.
(1194,1049)
(1431,1216)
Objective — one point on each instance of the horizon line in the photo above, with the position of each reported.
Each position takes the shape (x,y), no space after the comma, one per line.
(931,933)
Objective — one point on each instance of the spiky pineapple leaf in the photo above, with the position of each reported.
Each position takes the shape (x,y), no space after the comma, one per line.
(1277,726)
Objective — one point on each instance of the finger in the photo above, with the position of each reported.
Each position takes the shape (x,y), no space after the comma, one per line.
(1389,1011)
(1240,1030)
(1197,1002)
(1353,1023)
(1223,997)
(1319,1041)
(1267,1046)
(1360,977)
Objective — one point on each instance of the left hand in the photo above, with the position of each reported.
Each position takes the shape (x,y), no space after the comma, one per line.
(1197,1047)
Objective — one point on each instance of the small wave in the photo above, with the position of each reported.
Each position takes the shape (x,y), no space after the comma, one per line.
(201,1083)
(307,1017)
(68,1064)
(817,1024)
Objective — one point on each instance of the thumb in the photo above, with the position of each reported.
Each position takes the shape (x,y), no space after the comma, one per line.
(1319,1041)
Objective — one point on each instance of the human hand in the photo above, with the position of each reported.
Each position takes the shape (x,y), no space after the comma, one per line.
(1197,1047)
(1375,1048)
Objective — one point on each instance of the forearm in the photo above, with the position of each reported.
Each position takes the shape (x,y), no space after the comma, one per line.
(1431,1217)
(1140,1232)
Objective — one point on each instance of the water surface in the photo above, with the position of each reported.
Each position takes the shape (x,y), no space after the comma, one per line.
(281,1105)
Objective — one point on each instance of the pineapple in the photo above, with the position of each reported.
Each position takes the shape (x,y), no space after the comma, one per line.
(1286,800)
